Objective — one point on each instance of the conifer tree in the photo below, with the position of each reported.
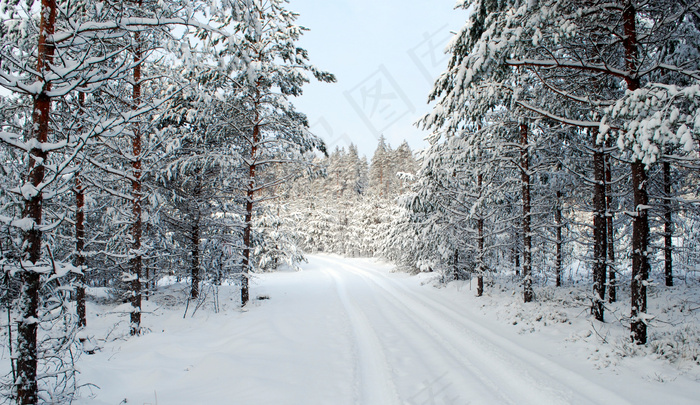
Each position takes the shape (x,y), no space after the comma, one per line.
(268,67)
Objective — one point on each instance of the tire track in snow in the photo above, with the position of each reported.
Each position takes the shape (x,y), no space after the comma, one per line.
(375,382)
(533,368)
(509,386)
(459,377)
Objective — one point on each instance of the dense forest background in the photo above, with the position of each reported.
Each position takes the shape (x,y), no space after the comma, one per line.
(141,139)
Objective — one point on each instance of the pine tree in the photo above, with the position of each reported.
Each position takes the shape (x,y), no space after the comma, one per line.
(198,177)
(594,54)
(380,169)
(269,67)
(55,55)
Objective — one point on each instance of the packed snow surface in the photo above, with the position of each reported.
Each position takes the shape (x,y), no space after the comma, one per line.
(349,331)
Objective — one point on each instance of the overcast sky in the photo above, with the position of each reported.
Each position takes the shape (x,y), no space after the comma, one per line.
(385,55)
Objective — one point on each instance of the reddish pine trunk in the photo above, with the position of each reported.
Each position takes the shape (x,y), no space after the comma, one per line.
(528,293)
(668,226)
(599,230)
(27,388)
(250,194)
(640,225)
(609,219)
(136,191)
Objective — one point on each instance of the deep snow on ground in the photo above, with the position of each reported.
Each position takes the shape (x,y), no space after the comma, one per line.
(348,331)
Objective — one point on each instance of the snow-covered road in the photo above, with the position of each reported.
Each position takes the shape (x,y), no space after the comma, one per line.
(346,331)
(410,346)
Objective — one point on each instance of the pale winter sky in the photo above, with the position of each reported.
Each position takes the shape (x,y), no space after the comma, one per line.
(385,55)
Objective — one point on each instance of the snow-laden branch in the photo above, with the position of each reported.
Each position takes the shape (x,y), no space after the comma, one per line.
(553,63)
(563,120)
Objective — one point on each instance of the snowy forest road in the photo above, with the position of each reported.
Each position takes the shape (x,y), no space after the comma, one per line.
(407,342)
(347,331)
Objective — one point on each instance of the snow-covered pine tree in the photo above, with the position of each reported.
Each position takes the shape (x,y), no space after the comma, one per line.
(198,176)
(476,84)
(126,156)
(578,41)
(341,213)
(50,51)
(268,66)
(380,170)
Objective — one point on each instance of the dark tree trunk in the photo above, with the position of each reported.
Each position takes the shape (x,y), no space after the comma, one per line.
(640,225)
(27,356)
(668,226)
(528,293)
(136,192)
(640,263)
(558,224)
(481,257)
(146,279)
(455,270)
(610,220)
(194,270)
(250,195)
(80,241)
(28,304)
(247,241)
(599,230)
(79,250)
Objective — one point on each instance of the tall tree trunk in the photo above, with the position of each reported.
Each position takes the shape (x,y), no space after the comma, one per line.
(136,192)
(610,220)
(640,263)
(455,270)
(668,226)
(599,229)
(80,240)
(250,195)
(194,270)
(558,224)
(528,293)
(247,231)
(147,280)
(640,225)
(79,250)
(481,258)
(194,240)
(28,304)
